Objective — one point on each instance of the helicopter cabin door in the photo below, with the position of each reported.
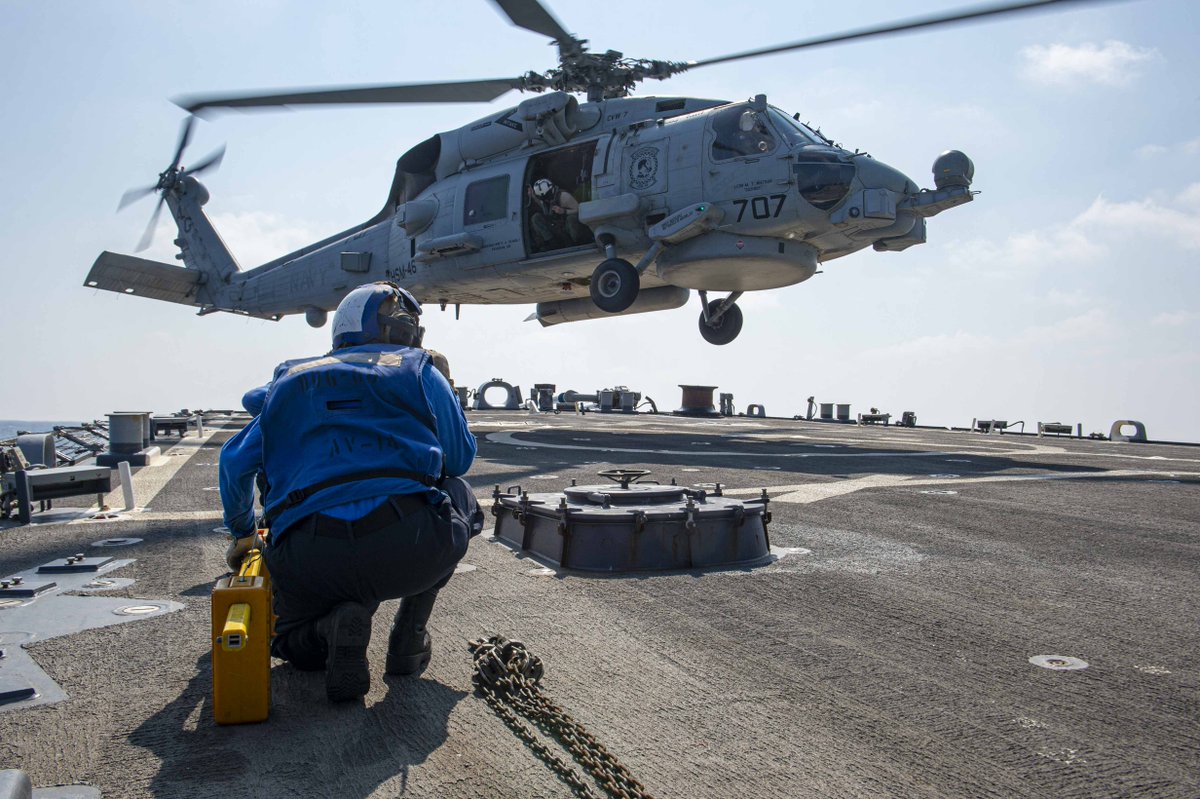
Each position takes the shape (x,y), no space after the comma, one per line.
(556,183)
(740,155)
(488,203)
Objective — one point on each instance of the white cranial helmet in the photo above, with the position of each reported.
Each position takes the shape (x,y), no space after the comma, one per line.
(543,188)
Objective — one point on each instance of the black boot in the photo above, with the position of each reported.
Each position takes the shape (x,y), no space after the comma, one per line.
(409,645)
(303,647)
(346,632)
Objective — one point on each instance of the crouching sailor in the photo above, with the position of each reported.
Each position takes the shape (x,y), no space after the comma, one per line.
(362,452)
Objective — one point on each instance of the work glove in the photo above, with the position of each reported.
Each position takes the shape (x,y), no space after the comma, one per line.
(440,362)
(238,547)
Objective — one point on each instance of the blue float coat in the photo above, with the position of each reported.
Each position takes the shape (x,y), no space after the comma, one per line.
(404,410)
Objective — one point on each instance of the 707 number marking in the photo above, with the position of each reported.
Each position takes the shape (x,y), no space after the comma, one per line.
(760,207)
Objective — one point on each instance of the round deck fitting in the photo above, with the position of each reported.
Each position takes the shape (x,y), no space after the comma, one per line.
(116,542)
(1058,662)
(633,526)
(137,610)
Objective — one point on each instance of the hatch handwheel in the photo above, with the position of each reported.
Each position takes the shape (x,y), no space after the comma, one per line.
(624,476)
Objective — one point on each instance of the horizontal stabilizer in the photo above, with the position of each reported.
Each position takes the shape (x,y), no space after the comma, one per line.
(126,274)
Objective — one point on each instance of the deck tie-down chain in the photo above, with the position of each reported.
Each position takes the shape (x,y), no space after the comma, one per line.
(507,677)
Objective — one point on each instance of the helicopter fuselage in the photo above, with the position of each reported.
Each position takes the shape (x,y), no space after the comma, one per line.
(701,194)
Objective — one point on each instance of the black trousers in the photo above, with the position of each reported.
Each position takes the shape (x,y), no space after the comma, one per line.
(404,547)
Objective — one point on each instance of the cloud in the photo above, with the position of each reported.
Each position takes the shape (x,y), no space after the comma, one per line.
(1113,63)
(1088,326)
(1187,148)
(1144,218)
(1029,250)
(1089,236)
(1190,195)
(1174,318)
(256,237)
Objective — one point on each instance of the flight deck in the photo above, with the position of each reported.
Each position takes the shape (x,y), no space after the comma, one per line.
(940,614)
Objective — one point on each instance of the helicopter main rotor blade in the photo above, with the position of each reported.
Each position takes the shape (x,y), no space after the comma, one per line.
(533,16)
(916,23)
(473,91)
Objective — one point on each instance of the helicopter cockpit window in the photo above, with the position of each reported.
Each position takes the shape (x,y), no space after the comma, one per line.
(486,201)
(739,132)
(793,131)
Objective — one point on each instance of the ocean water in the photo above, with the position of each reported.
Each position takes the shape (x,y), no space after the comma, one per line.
(10,427)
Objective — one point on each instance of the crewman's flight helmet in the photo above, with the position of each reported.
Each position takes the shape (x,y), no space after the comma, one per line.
(543,189)
(377,313)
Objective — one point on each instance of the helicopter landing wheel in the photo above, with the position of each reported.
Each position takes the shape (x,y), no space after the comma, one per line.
(725,329)
(614,285)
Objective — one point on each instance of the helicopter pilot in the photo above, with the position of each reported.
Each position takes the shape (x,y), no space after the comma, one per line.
(748,137)
(554,222)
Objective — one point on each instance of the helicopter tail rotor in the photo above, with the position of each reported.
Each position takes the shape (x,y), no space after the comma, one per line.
(169,178)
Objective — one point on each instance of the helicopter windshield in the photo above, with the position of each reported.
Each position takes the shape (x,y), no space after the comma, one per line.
(794,131)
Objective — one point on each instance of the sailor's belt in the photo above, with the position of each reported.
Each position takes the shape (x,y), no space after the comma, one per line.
(393,509)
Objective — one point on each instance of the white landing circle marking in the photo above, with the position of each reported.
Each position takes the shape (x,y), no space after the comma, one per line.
(464,568)
(1058,662)
(945,492)
(1157,671)
(944,476)
(211,488)
(958,460)
(545,477)
(783,552)
(542,572)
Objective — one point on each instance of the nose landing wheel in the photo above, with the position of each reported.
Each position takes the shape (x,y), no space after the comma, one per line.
(721,320)
(614,285)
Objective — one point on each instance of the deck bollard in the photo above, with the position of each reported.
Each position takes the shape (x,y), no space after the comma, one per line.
(126,484)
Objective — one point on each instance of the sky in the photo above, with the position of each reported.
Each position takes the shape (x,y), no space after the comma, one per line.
(1067,291)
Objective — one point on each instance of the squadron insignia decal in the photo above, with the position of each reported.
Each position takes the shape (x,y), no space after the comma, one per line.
(643,168)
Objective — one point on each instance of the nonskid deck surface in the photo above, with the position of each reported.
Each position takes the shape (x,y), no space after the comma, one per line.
(885,650)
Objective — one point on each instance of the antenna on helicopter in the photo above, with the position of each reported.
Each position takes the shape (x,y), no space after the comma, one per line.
(169,178)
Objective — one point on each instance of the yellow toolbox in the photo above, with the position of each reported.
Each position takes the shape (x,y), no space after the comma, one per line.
(241,635)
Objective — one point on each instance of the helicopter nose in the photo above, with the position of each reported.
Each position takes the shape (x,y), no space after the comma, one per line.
(878,175)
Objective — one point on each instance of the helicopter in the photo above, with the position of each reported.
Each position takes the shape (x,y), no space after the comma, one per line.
(611,206)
